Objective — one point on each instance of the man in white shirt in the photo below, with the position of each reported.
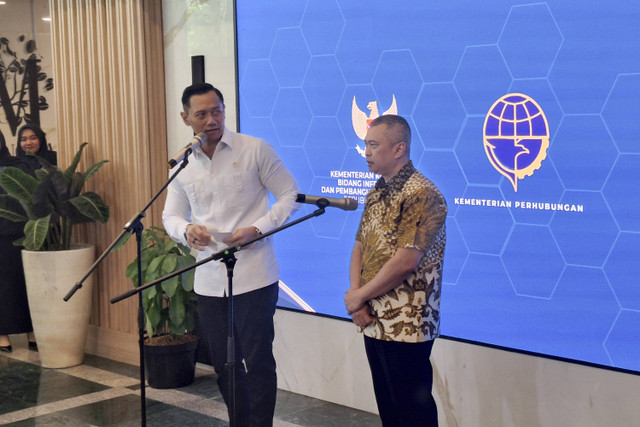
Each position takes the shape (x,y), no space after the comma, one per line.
(225,189)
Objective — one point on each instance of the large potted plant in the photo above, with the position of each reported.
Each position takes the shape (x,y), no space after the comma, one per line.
(50,204)
(170,310)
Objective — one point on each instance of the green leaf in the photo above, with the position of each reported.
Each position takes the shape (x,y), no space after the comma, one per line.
(123,241)
(154,239)
(58,186)
(91,171)
(153,270)
(89,207)
(177,313)
(170,286)
(154,317)
(19,184)
(43,202)
(35,233)
(170,246)
(148,254)
(187,277)
(149,327)
(76,184)
(152,292)
(74,164)
(169,264)
(11,209)
(132,272)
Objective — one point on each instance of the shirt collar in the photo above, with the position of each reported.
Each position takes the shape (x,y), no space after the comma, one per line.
(227,139)
(398,180)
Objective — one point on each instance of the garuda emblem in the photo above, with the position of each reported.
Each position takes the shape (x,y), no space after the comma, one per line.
(361,121)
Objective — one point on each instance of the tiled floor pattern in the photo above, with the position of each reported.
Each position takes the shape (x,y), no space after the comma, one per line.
(102,392)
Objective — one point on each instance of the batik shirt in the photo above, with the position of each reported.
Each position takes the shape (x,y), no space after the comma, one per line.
(407,212)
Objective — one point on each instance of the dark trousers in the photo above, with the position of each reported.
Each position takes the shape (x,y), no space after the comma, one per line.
(402,379)
(255,366)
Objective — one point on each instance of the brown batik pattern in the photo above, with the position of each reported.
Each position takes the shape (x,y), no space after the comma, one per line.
(407,212)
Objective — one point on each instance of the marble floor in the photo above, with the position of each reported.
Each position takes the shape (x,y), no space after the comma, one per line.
(101,392)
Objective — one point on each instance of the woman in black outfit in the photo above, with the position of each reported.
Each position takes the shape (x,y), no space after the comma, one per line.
(14,307)
(32,138)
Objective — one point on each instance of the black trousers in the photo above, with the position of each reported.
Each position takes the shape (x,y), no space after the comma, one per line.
(255,366)
(402,379)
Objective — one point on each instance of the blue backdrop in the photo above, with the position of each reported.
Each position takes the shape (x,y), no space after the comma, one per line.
(527,117)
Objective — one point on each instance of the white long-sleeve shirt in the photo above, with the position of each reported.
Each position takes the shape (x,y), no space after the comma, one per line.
(227,192)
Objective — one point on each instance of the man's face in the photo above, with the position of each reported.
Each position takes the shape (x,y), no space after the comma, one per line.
(206,114)
(381,152)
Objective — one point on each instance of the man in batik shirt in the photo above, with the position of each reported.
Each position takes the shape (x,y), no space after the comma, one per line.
(396,276)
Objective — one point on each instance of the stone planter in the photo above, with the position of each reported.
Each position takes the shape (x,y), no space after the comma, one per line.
(60,327)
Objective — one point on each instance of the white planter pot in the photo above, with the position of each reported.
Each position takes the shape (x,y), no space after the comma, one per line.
(60,327)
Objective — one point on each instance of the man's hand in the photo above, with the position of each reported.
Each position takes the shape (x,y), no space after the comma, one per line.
(354,300)
(362,317)
(198,236)
(241,235)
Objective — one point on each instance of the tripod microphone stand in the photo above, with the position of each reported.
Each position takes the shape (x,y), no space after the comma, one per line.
(134,226)
(227,255)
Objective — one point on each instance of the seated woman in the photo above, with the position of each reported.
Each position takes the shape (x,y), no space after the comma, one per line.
(14,307)
(31,138)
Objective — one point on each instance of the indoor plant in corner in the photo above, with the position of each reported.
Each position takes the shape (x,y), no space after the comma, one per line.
(50,204)
(170,309)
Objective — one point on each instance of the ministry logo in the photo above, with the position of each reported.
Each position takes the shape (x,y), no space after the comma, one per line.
(516,136)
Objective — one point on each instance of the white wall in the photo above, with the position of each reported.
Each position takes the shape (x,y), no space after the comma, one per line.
(324,358)
(474,385)
(480,386)
(24,18)
(197,28)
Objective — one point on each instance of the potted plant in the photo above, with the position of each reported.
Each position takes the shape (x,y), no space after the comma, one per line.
(170,309)
(50,204)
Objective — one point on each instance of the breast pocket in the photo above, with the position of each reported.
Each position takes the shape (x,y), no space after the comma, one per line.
(241,187)
(198,199)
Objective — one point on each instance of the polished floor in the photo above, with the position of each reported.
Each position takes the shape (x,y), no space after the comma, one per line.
(102,392)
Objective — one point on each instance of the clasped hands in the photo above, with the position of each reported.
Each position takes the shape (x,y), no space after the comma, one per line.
(199,238)
(357,307)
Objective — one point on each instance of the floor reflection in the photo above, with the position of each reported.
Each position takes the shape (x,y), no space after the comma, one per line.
(102,392)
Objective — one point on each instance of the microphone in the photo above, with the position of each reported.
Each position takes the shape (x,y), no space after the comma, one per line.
(346,204)
(196,142)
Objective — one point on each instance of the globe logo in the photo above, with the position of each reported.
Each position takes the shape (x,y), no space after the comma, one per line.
(516,136)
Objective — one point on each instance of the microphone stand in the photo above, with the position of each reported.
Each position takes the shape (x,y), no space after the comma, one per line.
(227,255)
(134,226)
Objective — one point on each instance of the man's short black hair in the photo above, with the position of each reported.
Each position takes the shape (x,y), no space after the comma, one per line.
(392,120)
(198,89)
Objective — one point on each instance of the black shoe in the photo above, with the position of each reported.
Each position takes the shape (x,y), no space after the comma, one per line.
(33,346)
(6,348)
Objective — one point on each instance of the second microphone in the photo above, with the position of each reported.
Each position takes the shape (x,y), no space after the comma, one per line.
(347,203)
